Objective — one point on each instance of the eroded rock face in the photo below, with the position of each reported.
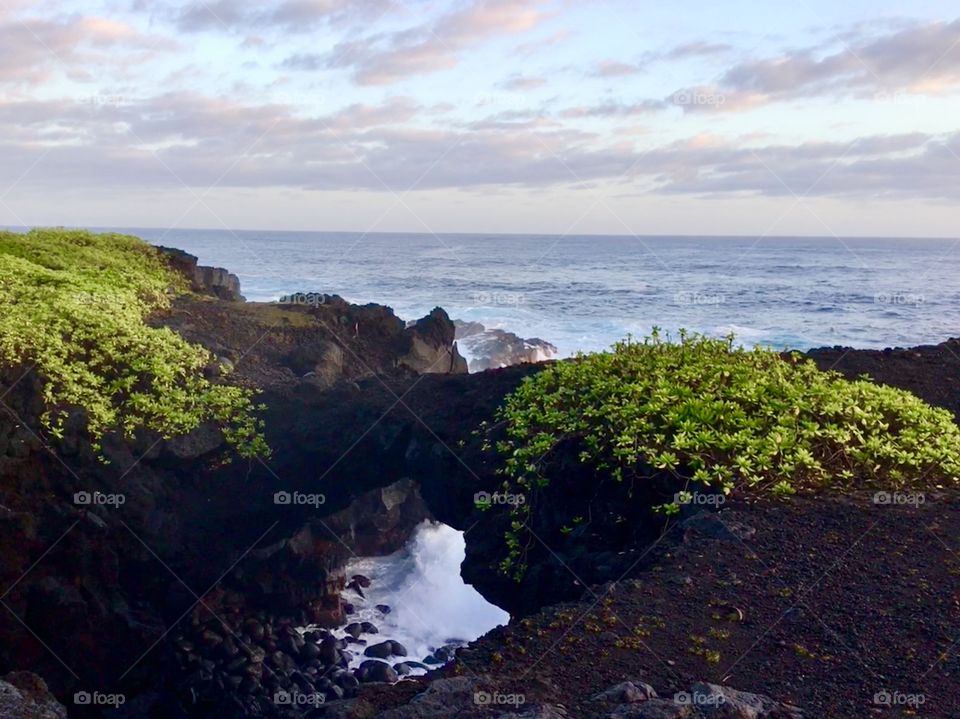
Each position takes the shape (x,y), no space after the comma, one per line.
(24,695)
(432,346)
(214,281)
(314,339)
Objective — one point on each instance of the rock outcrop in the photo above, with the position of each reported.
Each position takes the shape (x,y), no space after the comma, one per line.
(433,349)
(494,348)
(215,281)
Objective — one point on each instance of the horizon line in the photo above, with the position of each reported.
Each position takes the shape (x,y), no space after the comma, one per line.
(553,235)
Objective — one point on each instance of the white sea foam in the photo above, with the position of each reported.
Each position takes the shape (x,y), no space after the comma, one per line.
(430,604)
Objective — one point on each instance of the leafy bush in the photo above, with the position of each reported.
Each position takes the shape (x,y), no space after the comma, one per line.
(706,411)
(74,306)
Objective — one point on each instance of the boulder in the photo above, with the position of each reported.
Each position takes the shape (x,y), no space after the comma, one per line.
(372,670)
(385,649)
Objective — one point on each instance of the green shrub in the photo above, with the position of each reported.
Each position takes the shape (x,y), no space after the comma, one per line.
(73,307)
(707,411)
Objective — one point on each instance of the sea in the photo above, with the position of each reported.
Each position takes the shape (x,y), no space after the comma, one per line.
(583,293)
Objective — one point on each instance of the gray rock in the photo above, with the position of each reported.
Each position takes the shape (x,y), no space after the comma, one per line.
(627,693)
(712,525)
(24,695)
(717,702)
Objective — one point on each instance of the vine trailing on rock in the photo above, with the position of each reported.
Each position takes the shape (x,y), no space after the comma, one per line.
(712,414)
(75,306)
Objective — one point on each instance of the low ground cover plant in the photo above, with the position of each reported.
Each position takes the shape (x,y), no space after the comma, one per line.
(73,309)
(717,415)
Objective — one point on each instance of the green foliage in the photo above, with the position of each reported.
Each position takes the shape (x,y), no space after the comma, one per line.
(707,411)
(74,306)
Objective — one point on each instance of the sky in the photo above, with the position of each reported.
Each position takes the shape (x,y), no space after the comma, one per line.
(530,116)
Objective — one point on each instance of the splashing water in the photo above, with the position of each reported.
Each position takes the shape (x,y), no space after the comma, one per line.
(430,605)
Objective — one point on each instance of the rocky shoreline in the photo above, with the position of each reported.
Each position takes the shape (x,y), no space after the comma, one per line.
(180,582)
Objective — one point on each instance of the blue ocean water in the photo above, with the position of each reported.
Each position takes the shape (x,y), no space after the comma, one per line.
(585,292)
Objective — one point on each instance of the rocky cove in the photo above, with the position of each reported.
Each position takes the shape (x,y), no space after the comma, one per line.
(184,583)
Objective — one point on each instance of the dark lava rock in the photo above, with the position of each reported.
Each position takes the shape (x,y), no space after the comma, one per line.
(369,628)
(375,671)
(310,650)
(383,608)
(385,649)
(329,650)
(347,681)
(354,629)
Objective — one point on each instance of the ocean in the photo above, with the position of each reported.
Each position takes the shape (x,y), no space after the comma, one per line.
(585,292)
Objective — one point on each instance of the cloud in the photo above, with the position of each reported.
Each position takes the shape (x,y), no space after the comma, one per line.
(35,48)
(696,49)
(164,141)
(615,109)
(920,59)
(903,166)
(611,68)
(550,41)
(297,16)
(521,82)
(431,47)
